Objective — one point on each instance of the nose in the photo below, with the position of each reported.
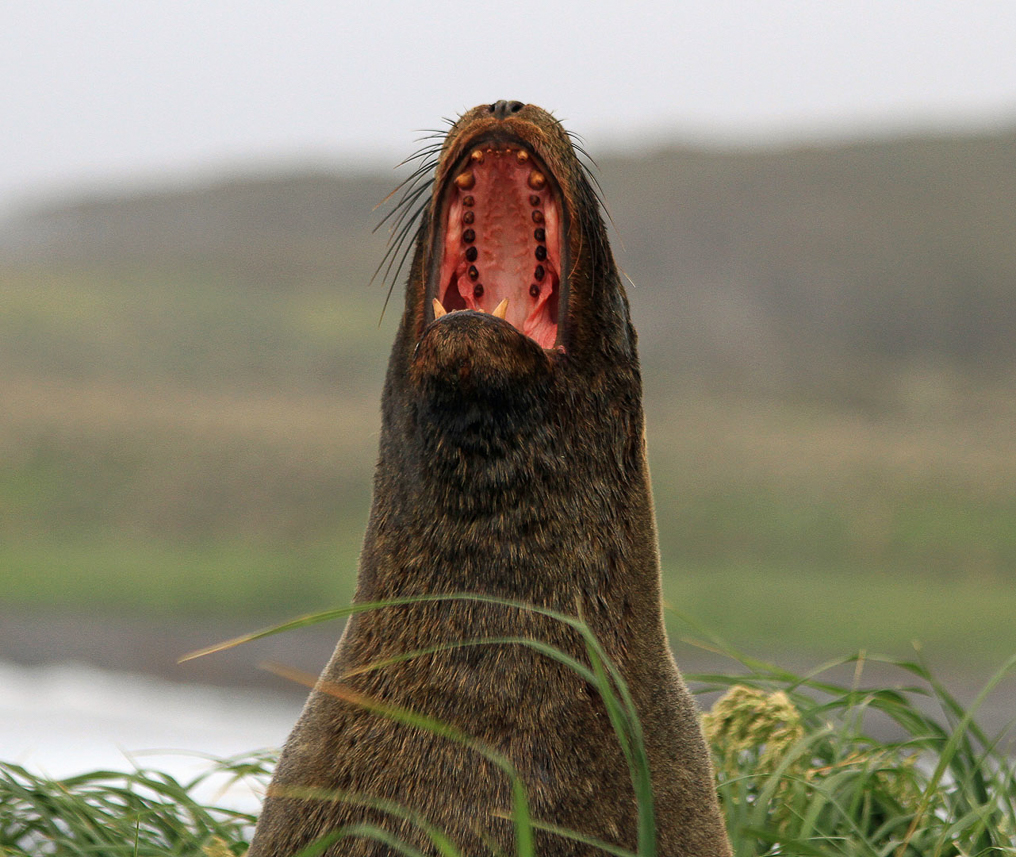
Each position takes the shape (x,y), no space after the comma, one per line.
(504,109)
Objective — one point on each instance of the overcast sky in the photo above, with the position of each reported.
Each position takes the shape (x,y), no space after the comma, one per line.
(106,93)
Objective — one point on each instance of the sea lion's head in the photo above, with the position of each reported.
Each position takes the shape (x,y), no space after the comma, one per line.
(516,324)
(499,237)
(513,397)
(512,230)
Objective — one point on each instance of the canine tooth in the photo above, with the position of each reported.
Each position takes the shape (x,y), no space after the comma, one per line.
(501,310)
(537,180)
(465,180)
(438,309)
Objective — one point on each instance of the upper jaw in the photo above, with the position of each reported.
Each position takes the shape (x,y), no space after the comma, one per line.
(499,237)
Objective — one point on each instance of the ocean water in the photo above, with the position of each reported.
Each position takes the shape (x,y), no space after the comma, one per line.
(64,719)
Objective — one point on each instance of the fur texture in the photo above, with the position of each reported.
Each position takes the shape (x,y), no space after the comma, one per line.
(516,471)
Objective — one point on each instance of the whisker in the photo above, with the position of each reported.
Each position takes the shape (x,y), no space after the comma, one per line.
(421,170)
(422,153)
(410,196)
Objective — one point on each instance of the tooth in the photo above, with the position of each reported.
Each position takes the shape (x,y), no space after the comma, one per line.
(536,180)
(466,180)
(522,156)
(477,155)
(501,310)
(438,309)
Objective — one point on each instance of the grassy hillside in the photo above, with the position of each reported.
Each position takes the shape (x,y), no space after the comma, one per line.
(191,383)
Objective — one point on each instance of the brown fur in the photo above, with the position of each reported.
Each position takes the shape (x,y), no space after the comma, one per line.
(521,473)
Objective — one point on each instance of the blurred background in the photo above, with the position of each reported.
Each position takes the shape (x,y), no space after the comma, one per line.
(814,204)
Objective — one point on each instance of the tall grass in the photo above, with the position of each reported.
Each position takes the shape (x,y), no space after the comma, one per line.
(799,772)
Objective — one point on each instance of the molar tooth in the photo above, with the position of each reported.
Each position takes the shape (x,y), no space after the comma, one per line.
(465,180)
(439,310)
(537,180)
(501,310)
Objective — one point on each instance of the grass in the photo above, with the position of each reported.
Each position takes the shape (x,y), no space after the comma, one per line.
(798,773)
(113,814)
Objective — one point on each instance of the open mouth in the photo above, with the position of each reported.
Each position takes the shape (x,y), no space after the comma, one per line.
(498,248)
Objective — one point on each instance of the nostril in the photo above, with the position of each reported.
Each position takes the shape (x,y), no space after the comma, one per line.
(503,109)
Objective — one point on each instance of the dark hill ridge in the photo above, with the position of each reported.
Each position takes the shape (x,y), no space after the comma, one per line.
(899,249)
(891,252)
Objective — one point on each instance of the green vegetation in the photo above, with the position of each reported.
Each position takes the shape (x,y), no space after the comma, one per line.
(797,769)
(191,385)
(869,530)
(799,773)
(112,814)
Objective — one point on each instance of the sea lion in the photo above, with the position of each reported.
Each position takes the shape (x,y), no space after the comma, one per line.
(512,464)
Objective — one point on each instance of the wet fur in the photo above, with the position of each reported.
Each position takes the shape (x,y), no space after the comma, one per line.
(508,471)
